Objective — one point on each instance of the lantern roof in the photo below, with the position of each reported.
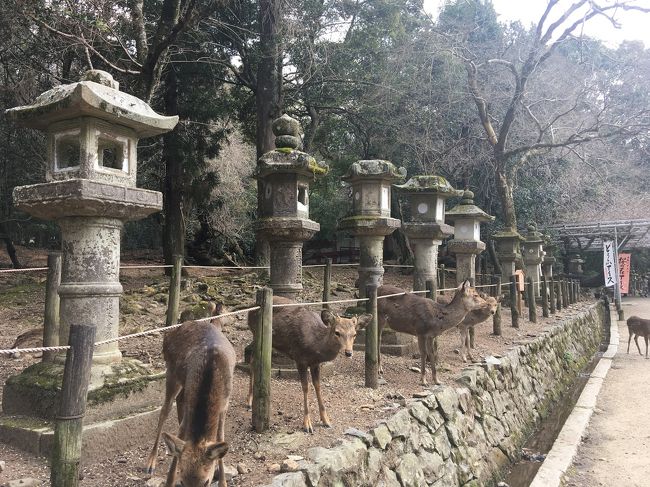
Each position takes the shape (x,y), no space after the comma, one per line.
(429,184)
(533,236)
(467,209)
(95,95)
(374,169)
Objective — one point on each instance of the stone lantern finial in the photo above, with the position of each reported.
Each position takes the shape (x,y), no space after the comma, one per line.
(100,77)
(287,132)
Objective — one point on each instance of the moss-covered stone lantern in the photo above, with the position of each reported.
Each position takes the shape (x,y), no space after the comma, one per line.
(467,244)
(508,250)
(424,223)
(533,255)
(549,257)
(285,173)
(92,136)
(370,222)
(575,264)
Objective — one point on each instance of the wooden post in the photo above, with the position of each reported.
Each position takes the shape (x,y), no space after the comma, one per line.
(532,306)
(513,301)
(551,295)
(432,293)
(443,280)
(174,299)
(52,301)
(558,294)
(262,361)
(496,319)
(372,345)
(471,331)
(544,291)
(66,452)
(565,293)
(327,281)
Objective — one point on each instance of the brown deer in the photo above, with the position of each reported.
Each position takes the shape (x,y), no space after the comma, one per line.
(474,317)
(200,364)
(420,316)
(310,340)
(638,327)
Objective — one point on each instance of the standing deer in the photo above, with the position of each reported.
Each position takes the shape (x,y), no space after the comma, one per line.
(638,327)
(309,339)
(421,317)
(474,317)
(200,364)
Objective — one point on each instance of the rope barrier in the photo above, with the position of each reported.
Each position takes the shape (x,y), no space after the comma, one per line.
(26,269)
(146,266)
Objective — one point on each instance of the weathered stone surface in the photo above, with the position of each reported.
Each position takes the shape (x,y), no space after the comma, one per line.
(409,472)
(420,412)
(388,479)
(290,479)
(447,400)
(431,464)
(382,436)
(26,482)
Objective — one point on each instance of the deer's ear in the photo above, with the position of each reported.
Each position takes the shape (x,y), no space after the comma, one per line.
(363,321)
(328,317)
(218,308)
(215,451)
(174,444)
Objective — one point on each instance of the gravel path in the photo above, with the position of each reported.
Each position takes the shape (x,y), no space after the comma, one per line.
(615,448)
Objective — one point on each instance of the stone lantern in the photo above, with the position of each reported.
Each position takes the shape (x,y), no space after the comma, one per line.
(92,136)
(549,257)
(508,250)
(425,223)
(533,255)
(371,221)
(575,264)
(466,244)
(285,173)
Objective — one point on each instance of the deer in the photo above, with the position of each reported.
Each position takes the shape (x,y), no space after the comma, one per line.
(200,365)
(474,317)
(309,340)
(424,318)
(638,327)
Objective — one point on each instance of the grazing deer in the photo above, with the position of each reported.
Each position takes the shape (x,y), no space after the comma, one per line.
(474,317)
(638,327)
(309,339)
(200,364)
(204,309)
(420,316)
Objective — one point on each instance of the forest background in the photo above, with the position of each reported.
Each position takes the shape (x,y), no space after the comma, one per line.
(541,122)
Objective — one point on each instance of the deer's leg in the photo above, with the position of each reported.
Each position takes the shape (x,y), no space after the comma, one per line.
(463,342)
(636,340)
(304,381)
(646,345)
(422,345)
(171,475)
(315,379)
(432,352)
(180,406)
(220,437)
(172,390)
(629,339)
(468,347)
(380,326)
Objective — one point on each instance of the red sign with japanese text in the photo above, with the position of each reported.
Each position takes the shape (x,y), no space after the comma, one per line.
(624,272)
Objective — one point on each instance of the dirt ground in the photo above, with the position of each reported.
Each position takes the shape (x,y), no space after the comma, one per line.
(615,448)
(349,403)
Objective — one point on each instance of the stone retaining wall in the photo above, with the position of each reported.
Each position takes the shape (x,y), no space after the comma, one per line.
(465,434)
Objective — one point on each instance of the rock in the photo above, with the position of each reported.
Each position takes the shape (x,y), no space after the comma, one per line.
(417,370)
(155,482)
(366,437)
(2,466)
(289,466)
(367,407)
(421,395)
(419,411)
(230,472)
(242,469)
(26,482)
(274,468)
(295,458)
(409,472)
(447,400)
(502,484)
(291,479)
(382,436)
(259,456)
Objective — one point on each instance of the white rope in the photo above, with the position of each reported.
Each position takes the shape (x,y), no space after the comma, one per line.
(27,269)
(146,266)
(290,305)
(11,351)
(224,267)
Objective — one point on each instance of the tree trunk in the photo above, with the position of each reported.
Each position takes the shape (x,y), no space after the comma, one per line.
(267,99)
(174,226)
(11,250)
(506,198)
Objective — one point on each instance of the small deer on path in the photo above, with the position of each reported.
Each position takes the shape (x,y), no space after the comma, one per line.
(474,317)
(638,327)
(200,364)
(421,317)
(309,339)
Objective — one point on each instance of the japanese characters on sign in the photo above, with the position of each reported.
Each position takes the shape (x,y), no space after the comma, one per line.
(609,268)
(624,272)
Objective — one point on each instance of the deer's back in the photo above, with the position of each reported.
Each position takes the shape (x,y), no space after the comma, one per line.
(640,326)
(409,313)
(297,331)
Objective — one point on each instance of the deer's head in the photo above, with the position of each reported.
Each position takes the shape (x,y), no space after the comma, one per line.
(344,330)
(489,307)
(196,462)
(468,296)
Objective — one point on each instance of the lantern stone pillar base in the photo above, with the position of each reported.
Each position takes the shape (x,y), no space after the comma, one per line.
(466,253)
(370,231)
(116,393)
(425,238)
(392,343)
(547,267)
